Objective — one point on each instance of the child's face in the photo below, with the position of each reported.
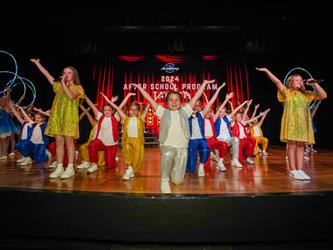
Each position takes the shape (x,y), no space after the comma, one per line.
(174,102)
(209,113)
(297,83)
(68,74)
(133,111)
(223,112)
(107,111)
(238,117)
(38,118)
(196,107)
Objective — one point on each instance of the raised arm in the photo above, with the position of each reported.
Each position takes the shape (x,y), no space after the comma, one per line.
(256,117)
(212,100)
(199,92)
(41,111)
(48,76)
(238,108)
(263,117)
(254,111)
(152,102)
(247,109)
(145,112)
(92,106)
(321,93)
(227,98)
(71,95)
(27,118)
(231,106)
(123,103)
(85,111)
(273,78)
(120,112)
(16,114)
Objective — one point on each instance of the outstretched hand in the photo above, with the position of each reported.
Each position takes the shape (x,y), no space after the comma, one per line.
(105,97)
(261,69)
(35,60)
(208,81)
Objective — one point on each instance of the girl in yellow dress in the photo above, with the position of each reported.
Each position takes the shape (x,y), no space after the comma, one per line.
(63,123)
(296,127)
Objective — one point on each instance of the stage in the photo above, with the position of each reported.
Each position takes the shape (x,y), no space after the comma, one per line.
(258,204)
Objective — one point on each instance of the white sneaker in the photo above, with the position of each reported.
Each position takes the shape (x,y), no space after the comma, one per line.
(264,153)
(249,160)
(20,160)
(117,158)
(3,157)
(220,166)
(11,154)
(295,174)
(201,170)
(165,187)
(306,157)
(26,161)
(83,165)
(286,157)
(313,151)
(236,163)
(128,174)
(53,164)
(93,168)
(303,174)
(69,172)
(57,172)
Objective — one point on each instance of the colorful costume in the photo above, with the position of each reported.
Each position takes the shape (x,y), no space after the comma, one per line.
(174,137)
(246,142)
(296,124)
(132,142)
(64,117)
(84,149)
(257,134)
(105,139)
(197,143)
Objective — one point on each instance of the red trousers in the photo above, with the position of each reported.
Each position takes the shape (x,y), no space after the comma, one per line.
(246,148)
(109,153)
(213,143)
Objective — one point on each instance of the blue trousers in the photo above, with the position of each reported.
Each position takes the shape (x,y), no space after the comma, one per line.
(195,146)
(35,151)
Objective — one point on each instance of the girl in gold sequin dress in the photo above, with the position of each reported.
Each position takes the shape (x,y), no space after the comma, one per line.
(63,123)
(296,127)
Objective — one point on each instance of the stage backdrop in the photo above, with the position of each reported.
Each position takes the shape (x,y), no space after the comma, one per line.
(157,73)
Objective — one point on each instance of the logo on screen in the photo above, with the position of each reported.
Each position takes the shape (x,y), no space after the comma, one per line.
(169,68)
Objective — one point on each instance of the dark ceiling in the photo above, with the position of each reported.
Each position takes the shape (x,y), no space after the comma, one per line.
(167,26)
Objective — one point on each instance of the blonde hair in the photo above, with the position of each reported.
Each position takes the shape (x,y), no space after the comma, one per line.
(290,80)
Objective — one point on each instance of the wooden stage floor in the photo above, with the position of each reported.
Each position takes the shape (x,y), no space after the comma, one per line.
(267,175)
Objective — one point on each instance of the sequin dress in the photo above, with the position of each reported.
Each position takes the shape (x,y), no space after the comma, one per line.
(296,123)
(64,117)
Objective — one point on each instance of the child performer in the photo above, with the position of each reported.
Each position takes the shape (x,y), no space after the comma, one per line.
(210,134)
(198,142)
(296,124)
(26,123)
(174,134)
(258,135)
(223,130)
(241,131)
(34,147)
(63,123)
(105,137)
